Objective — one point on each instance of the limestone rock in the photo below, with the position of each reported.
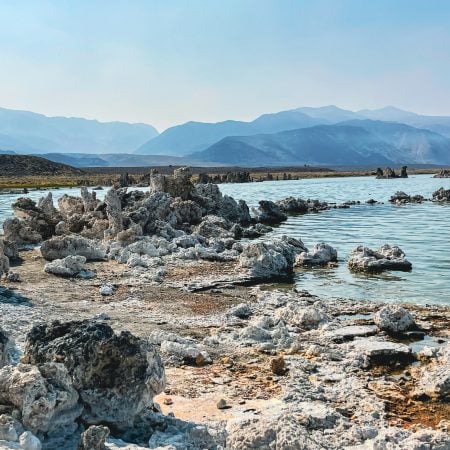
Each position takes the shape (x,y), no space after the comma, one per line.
(60,247)
(4,260)
(70,266)
(270,213)
(320,254)
(441,195)
(394,319)
(42,395)
(363,259)
(306,317)
(189,353)
(272,259)
(19,232)
(94,438)
(117,376)
(5,346)
(377,352)
(433,380)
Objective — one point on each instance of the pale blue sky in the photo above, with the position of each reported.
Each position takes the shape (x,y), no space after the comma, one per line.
(169,61)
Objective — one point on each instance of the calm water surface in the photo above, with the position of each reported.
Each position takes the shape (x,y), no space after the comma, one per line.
(422,231)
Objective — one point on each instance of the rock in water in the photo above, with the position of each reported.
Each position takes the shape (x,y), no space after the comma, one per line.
(270,213)
(441,195)
(117,376)
(320,255)
(273,259)
(394,319)
(363,259)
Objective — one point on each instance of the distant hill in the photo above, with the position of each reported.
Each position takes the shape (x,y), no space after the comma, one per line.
(412,145)
(318,145)
(121,160)
(19,165)
(28,132)
(192,137)
(439,124)
(331,114)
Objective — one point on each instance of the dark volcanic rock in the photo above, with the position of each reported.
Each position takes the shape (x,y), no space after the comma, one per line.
(117,376)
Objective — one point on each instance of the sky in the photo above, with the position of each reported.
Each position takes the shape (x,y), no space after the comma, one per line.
(165,62)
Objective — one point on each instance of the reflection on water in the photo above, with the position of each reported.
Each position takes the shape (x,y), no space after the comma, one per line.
(422,231)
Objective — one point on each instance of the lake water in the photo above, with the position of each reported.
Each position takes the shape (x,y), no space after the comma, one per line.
(422,231)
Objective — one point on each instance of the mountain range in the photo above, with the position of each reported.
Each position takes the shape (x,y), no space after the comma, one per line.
(28,132)
(321,136)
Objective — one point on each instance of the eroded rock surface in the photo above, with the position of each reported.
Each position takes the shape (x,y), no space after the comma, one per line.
(363,259)
(321,254)
(117,376)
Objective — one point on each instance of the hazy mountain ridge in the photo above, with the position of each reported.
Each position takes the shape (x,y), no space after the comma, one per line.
(81,160)
(318,145)
(391,139)
(28,132)
(192,137)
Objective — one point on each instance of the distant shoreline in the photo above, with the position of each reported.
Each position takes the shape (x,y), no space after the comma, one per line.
(108,176)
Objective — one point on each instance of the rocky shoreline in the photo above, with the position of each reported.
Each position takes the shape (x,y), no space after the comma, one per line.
(169,335)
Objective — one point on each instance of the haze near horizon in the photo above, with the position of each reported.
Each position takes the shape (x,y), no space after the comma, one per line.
(165,64)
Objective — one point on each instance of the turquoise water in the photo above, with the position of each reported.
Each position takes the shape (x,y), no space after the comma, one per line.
(422,231)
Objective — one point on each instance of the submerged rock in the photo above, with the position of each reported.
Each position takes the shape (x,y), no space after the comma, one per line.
(394,319)
(363,259)
(320,254)
(401,197)
(117,376)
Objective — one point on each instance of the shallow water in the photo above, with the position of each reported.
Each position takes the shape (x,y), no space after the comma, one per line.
(421,230)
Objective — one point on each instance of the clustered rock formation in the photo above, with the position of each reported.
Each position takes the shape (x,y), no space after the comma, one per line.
(390,173)
(443,173)
(144,229)
(441,195)
(401,198)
